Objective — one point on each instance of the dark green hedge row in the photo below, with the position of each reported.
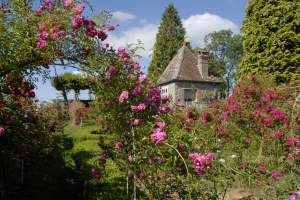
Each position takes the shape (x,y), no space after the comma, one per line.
(112,184)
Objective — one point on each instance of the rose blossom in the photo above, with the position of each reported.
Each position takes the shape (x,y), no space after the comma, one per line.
(1,131)
(137,122)
(119,145)
(123,96)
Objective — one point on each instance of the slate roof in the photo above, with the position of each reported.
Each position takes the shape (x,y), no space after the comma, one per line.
(184,67)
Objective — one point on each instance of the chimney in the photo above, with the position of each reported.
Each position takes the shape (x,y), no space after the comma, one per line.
(203,63)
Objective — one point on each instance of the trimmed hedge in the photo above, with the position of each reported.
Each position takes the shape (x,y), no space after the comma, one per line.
(112,184)
(84,134)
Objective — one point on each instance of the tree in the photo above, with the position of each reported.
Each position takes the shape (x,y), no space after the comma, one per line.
(271,39)
(227,50)
(169,39)
(68,81)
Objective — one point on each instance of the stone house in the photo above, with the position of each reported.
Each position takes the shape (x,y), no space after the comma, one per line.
(186,79)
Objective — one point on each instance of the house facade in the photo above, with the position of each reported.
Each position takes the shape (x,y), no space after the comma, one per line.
(186,79)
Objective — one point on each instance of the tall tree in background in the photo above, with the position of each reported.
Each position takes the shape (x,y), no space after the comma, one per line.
(272,39)
(169,39)
(227,50)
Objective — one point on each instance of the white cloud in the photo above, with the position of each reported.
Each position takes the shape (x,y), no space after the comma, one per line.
(197,26)
(146,33)
(122,16)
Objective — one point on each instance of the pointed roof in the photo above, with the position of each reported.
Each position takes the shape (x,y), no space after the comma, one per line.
(184,67)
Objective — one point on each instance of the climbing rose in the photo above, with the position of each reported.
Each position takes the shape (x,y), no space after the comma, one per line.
(158,136)
(295,195)
(143,78)
(121,49)
(137,122)
(206,117)
(140,107)
(96,173)
(44,35)
(79,8)
(42,26)
(161,124)
(111,71)
(67,3)
(119,145)
(55,36)
(123,96)
(41,44)
(1,131)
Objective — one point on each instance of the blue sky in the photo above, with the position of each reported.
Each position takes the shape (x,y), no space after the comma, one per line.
(139,19)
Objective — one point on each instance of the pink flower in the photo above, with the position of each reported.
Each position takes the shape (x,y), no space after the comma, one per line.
(158,136)
(77,22)
(111,71)
(136,91)
(135,64)
(123,96)
(150,161)
(67,3)
(96,173)
(110,28)
(289,157)
(44,35)
(161,124)
(130,159)
(278,134)
(78,9)
(206,117)
(121,49)
(140,107)
(210,156)
(1,131)
(102,35)
(55,36)
(249,141)
(181,105)
(276,175)
(137,122)
(259,182)
(54,29)
(143,78)
(159,160)
(42,26)
(165,109)
(119,145)
(41,44)
(142,174)
(267,121)
(245,165)
(295,195)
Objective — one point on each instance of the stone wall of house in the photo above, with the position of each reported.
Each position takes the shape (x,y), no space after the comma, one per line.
(200,88)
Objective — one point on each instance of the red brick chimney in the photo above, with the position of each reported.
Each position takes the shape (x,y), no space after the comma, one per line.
(203,63)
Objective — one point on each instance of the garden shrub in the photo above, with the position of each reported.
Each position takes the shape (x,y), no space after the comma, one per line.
(83,135)
(112,184)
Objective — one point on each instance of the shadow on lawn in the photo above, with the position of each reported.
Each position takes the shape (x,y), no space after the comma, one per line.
(50,178)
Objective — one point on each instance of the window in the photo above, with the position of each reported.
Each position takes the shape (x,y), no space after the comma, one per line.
(164,90)
(189,95)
